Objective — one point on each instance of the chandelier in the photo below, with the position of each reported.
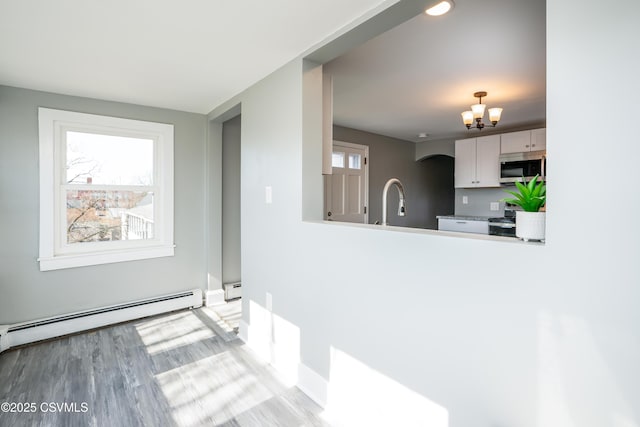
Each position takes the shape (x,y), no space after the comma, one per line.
(477,112)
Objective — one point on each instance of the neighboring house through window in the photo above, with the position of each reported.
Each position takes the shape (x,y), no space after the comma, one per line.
(106,189)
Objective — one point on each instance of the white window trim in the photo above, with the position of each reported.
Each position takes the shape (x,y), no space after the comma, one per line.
(52,124)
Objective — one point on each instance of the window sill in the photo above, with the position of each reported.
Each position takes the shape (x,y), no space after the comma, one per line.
(97,258)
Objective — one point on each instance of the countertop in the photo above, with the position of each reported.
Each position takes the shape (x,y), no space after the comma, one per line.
(466,218)
(427,232)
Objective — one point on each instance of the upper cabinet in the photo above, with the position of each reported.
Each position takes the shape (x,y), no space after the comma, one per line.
(538,139)
(477,162)
(527,140)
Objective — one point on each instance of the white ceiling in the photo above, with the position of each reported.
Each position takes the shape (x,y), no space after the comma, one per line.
(186,55)
(419,76)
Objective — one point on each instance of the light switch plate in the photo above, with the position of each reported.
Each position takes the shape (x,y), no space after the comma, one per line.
(465,200)
(495,206)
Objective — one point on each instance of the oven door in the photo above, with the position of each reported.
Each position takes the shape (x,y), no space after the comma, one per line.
(507,229)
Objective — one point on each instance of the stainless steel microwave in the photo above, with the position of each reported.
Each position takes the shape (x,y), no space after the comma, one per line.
(515,166)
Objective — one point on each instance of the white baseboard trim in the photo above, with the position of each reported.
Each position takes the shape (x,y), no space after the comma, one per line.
(214,297)
(313,385)
(243,331)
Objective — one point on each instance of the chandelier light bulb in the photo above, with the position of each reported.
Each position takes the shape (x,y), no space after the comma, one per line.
(478,110)
(467,118)
(477,113)
(494,115)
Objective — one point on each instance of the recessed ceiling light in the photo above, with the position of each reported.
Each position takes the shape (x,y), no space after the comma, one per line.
(423,135)
(440,9)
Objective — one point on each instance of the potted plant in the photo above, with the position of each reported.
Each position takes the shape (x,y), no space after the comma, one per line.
(531,196)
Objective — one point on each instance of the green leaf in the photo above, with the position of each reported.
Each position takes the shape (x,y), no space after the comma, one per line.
(532,184)
(531,196)
(536,191)
(523,190)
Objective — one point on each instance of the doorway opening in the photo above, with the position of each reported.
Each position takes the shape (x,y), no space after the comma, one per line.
(231,205)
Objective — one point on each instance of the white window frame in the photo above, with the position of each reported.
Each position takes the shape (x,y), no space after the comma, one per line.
(54,252)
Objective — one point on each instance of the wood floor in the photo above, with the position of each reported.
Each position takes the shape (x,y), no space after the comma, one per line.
(230,313)
(185,368)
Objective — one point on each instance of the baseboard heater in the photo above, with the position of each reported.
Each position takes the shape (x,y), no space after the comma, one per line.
(232,290)
(29,332)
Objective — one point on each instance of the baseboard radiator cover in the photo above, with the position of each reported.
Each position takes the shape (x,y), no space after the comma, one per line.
(38,330)
(232,290)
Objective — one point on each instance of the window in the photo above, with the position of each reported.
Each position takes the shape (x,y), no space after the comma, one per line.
(354,161)
(337,159)
(106,189)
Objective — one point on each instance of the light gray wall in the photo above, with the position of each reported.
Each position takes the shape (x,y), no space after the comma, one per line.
(500,334)
(426,185)
(231,200)
(432,148)
(479,201)
(25,292)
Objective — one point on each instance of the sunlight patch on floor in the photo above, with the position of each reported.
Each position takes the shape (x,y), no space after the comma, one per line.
(196,402)
(189,329)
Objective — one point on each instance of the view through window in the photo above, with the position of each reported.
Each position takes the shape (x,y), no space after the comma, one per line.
(109,188)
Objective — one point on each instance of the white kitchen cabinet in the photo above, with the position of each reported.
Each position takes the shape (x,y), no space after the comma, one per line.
(538,139)
(488,161)
(477,162)
(465,163)
(526,140)
(463,225)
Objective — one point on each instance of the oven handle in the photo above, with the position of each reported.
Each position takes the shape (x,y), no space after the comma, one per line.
(502,225)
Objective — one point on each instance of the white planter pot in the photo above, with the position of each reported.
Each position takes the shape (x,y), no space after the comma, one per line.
(530,225)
